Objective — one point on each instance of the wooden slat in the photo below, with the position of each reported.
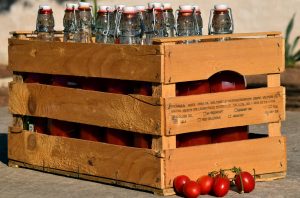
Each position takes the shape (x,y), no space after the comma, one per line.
(212,37)
(28,32)
(274,129)
(273,80)
(140,166)
(161,143)
(129,62)
(202,60)
(126,112)
(265,155)
(226,109)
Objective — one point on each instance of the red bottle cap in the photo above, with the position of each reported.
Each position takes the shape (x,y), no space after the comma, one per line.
(45,9)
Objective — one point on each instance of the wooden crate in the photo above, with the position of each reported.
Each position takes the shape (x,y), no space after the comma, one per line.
(163,115)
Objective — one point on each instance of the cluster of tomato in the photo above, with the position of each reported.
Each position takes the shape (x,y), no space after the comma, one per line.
(215,183)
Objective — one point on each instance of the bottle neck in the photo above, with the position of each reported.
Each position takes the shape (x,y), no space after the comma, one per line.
(221,12)
(45,12)
(185,13)
(168,10)
(130,15)
(84,9)
(70,10)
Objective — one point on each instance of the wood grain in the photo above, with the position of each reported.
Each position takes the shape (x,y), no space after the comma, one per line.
(226,109)
(202,60)
(128,62)
(127,112)
(265,155)
(161,143)
(273,80)
(213,37)
(274,129)
(139,166)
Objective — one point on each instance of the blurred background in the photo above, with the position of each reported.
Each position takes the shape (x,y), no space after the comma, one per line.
(249,16)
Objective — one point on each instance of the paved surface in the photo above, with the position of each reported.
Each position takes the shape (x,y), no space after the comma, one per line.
(18,182)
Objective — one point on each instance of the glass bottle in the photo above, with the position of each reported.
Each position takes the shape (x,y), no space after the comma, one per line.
(70,21)
(129,26)
(103,26)
(116,136)
(194,138)
(168,20)
(91,132)
(84,33)
(59,127)
(222,23)
(228,81)
(116,25)
(141,10)
(36,124)
(197,19)
(185,22)
(45,23)
(220,20)
(153,22)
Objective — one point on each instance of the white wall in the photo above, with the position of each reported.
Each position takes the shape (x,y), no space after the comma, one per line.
(249,15)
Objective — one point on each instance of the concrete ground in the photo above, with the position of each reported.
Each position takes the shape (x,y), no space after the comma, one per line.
(18,182)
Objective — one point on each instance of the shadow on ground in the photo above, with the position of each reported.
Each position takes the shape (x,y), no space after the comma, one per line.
(3,148)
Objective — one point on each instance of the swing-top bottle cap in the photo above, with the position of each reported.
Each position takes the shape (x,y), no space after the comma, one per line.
(84,5)
(72,6)
(129,9)
(221,7)
(185,8)
(140,8)
(105,8)
(155,5)
(196,7)
(167,6)
(45,7)
(119,6)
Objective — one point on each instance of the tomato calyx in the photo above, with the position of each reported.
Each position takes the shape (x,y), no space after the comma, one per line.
(239,175)
(238,172)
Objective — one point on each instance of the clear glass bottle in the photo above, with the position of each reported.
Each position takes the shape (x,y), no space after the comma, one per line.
(141,10)
(185,22)
(222,23)
(129,26)
(221,20)
(45,23)
(116,18)
(70,21)
(59,127)
(84,33)
(154,22)
(197,19)
(103,26)
(168,20)
(194,138)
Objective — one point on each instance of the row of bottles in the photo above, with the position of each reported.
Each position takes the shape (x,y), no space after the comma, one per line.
(86,132)
(138,25)
(220,82)
(132,25)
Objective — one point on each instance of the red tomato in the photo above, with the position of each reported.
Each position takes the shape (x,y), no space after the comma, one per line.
(221,186)
(179,182)
(248,181)
(191,189)
(206,184)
